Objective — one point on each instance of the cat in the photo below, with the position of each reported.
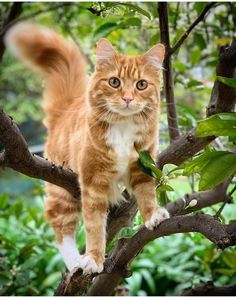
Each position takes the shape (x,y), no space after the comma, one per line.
(95,126)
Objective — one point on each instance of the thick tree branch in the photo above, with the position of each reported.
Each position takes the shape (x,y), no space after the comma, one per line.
(209,289)
(223,99)
(191,27)
(18,157)
(167,73)
(125,250)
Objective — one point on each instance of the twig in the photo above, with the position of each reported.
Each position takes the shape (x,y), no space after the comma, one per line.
(12,15)
(228,199)
(209,289)
(176,16)
(190,28)
(32,15)
(167,73)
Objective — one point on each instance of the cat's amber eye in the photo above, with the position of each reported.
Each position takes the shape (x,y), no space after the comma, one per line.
(142,84)
(114,82)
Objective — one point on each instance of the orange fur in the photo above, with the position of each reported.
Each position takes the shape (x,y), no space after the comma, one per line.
(84,121)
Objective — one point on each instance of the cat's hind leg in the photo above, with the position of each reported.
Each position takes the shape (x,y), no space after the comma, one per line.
(61,211)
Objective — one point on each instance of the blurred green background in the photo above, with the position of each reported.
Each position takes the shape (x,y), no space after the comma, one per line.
(29,261)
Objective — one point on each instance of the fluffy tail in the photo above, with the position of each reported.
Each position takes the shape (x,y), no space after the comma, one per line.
(59,61)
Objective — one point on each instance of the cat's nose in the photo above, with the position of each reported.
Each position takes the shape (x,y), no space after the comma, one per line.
(127,99)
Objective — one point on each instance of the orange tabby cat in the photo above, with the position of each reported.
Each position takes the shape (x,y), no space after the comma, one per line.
(95,127)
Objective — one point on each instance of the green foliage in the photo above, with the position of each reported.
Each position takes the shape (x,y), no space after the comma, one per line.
(147,164)
(29,262)
(230,82)
(213,166)
(169,265)
(221,124)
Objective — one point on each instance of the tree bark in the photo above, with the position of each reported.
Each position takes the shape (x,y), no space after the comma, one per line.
(209,289)
(13,13)
(167,72)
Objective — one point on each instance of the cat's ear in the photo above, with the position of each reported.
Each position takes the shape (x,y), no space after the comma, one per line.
(156,55)
(105,50)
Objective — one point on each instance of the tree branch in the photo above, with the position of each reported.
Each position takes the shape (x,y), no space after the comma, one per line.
(191,27)
(125,250)
(18,157)
(209,289)
(30,16)
(167,73)
(223,99)
(13,13)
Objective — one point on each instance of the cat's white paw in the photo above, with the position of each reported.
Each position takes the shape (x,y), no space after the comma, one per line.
(89,265)
(157,217)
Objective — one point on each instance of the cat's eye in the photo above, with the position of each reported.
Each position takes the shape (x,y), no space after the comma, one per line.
(114,82)
(142,84)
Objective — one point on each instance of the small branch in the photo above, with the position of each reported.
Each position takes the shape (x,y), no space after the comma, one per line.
(167,73)
(176,16)
(12,15)
(31,16)
(191,27)
(229,200)
(223,99)
(97,12)
(204,199)
(209,289)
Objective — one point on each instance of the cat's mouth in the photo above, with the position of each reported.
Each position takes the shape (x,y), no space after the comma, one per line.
(127,110)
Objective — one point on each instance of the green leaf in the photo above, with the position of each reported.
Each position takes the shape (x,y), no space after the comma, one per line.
(130,22)
(232,138)
(199,40)
(51,279)
(217,171)
(230,82)
(163,198)
(3,200)
(225,271)
(193,83)
(104,30)
(149,280)
(199,163)
(179,66)
(163,188)
(195,56)
(229,258)
(5,278)
(147,161)
(223,124)
(154,39)
(198,6)
(137,9)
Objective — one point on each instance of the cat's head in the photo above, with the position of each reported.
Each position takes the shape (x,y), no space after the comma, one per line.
(125,85)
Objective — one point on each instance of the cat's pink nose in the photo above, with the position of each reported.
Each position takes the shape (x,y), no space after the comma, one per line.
(127,99)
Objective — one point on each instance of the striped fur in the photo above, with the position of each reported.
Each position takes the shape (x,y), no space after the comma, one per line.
(93,131)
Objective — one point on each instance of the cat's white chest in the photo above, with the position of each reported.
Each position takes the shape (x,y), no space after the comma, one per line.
(121,137)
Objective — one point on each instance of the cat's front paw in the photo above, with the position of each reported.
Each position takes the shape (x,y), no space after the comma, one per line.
(89,265)
(157,217)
